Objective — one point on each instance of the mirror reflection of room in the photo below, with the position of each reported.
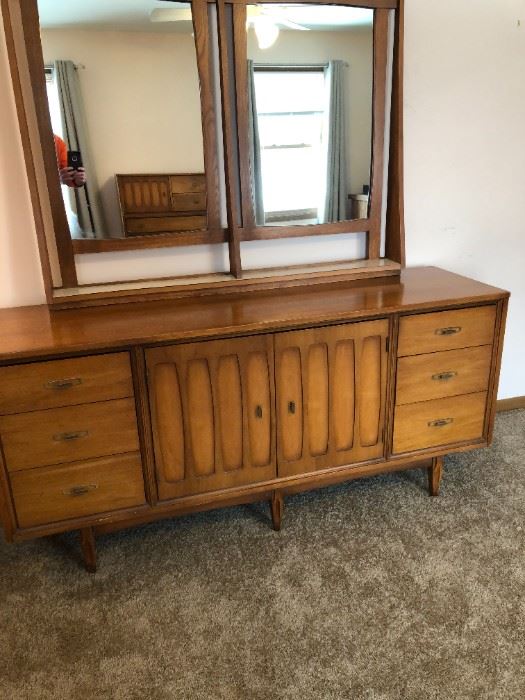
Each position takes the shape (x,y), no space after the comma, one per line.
(124,100)
(310,76)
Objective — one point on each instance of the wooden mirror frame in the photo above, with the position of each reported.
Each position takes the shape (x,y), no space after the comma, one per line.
(57,250)
(214,233)
(27,13)
(236,52)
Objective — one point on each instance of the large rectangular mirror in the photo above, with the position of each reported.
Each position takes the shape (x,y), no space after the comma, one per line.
(310,76)
(151,124)
(124,97)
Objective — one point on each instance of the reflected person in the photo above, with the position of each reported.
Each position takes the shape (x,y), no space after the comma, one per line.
(68,176)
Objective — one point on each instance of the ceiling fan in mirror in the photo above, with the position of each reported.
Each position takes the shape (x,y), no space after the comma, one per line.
(266,20)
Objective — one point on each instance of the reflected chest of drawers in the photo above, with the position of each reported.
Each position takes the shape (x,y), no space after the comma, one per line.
(116,416)
(151,204)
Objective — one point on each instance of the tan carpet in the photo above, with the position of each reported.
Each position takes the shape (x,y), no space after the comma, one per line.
(371,591)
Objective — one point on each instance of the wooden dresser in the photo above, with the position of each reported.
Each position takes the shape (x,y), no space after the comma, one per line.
(118,415)
(152,204)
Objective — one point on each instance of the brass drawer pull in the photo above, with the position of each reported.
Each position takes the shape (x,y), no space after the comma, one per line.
(60,384)
(258,412)
(65,437)
(291,407)
(80,490)
(440,423)
(452,330)
(444,376)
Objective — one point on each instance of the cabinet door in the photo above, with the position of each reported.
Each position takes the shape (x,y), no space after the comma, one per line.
(212,406)
(331,392)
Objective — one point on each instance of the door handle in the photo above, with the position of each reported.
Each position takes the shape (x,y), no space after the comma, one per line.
(258,412)
(291,407)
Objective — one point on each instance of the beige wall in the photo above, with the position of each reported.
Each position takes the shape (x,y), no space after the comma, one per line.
(141,96)
(355,47)
(465,150)
(464,156)
(20,275)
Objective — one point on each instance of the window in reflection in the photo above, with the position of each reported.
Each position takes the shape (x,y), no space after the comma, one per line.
(310,74)
(290,110)
(124,99)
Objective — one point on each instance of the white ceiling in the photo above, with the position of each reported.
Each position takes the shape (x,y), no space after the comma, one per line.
(323,17)
(135,15)
(113,14)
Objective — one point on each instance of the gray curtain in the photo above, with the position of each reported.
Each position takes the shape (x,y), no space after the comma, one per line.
(84,201)
(336,175)
(255,150)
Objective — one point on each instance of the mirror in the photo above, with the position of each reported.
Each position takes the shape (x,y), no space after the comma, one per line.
(164,156)
(310,94)
(124,99)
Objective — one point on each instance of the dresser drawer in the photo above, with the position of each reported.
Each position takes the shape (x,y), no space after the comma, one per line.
(188,202)
(183,184)
(64,382)
(163,224)
(57,493)
(418,426)
(442,374)
(446,330)
(69,434)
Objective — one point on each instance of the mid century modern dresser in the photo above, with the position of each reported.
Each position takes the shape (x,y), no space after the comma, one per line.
(117,415)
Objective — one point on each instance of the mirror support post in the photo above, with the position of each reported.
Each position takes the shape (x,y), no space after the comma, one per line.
(395,220)
(229,117)
(204,52)
(378,130)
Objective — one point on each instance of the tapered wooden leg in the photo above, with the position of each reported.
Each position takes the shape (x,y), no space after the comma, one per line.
(277,508)
(88,547)
(434,476)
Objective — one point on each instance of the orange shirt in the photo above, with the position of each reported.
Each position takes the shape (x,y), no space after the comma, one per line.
(61,151)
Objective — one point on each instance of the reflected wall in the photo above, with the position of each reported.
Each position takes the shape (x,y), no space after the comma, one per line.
(138,87)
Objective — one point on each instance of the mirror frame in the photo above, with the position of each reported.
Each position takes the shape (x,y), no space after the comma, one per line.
(67,247)
(20,18)
(234,13)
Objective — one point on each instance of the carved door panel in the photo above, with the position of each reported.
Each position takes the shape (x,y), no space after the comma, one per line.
(212,406)
(331,395)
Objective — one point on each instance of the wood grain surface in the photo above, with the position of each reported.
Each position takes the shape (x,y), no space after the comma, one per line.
(59,493)
(68,434)
(440,374)
(443,422)
(68,382)
(446,330)
(36,331)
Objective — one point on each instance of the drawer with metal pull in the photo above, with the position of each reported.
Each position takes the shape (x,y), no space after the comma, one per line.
(448,421)
(446,330)
(56,493)
(68,382)
(68,434)
(441,374)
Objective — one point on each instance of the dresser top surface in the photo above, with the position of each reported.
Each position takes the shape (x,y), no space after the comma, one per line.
(36,331)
